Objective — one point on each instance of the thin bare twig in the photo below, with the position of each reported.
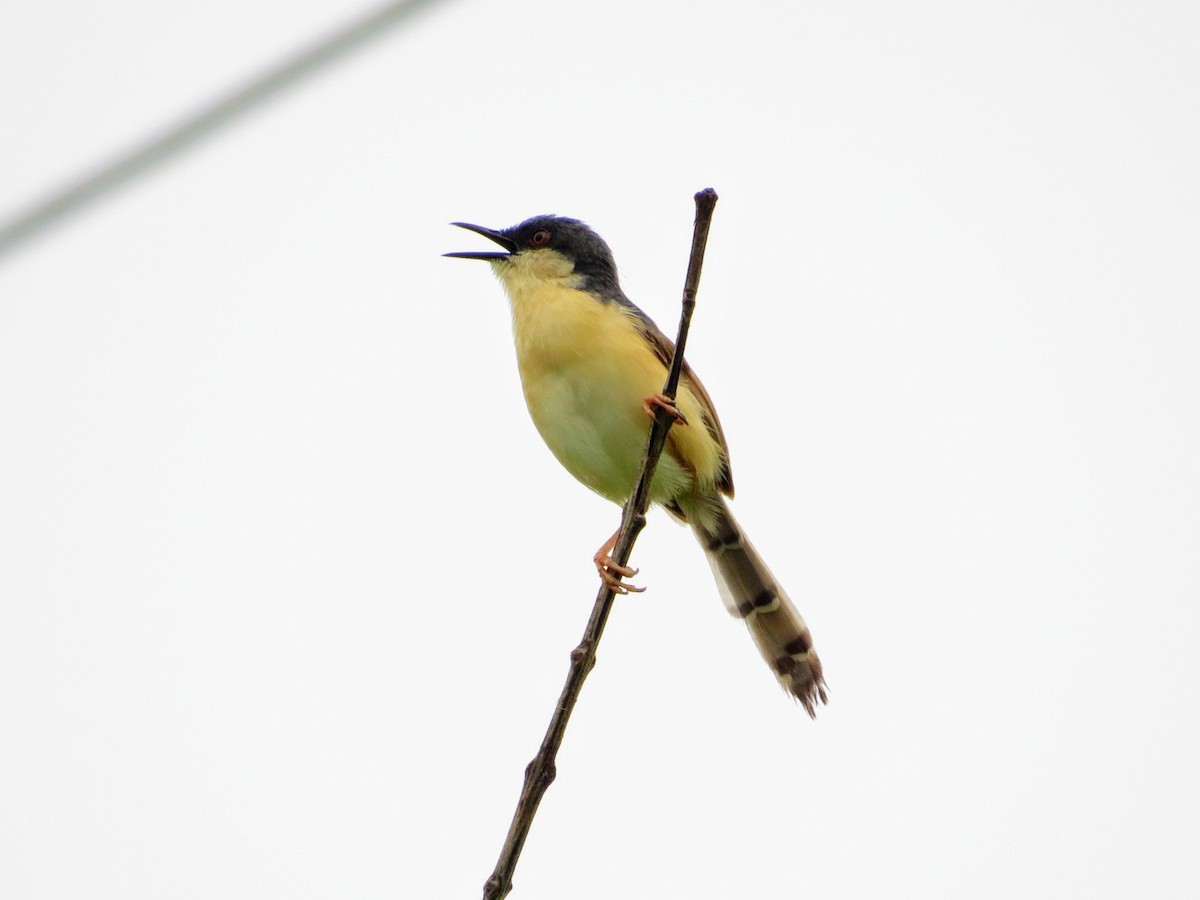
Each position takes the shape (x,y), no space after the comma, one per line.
(541,770)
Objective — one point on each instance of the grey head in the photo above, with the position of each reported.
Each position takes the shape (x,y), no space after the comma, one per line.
(573,239)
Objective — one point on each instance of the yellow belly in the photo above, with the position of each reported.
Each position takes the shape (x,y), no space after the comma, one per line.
(586,371)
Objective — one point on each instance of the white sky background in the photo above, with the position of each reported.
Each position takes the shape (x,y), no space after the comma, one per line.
(288,581)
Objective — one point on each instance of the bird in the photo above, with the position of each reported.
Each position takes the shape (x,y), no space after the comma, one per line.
(592,365)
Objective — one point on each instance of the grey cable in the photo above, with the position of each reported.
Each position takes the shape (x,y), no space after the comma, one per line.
(200,124)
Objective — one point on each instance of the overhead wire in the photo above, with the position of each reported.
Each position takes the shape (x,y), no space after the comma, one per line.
(192,128)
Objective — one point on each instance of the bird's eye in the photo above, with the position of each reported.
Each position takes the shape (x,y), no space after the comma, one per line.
(540,238)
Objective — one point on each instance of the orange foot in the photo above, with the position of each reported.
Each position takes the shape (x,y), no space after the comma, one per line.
(611,572)
(662,401)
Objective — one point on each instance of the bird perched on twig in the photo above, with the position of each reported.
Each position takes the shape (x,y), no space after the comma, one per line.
(592,367)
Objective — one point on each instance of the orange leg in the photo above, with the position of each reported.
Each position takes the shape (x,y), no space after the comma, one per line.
(610,571)
(662,401)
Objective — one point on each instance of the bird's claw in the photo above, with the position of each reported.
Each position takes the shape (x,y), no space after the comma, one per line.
(662,401)
(611,572)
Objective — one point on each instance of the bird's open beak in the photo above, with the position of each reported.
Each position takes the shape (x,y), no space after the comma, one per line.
(491,235)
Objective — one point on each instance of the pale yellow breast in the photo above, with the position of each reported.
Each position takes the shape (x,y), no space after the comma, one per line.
(585,370)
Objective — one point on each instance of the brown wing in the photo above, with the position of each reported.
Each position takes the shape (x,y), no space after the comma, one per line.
(664,349)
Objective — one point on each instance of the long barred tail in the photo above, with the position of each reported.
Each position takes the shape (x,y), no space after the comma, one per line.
(752,594)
